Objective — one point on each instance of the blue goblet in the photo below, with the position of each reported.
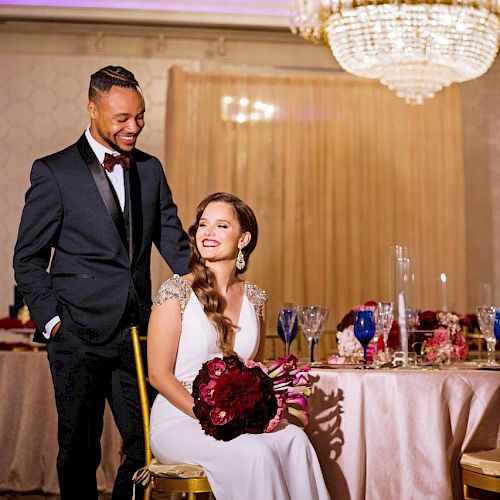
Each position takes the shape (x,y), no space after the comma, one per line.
(364,329)
(496,325)
(287,325)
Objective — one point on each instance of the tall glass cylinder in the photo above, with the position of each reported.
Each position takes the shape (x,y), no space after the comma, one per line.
(402,289)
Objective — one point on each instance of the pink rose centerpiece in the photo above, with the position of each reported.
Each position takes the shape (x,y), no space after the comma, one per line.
(448,342)
(232,397)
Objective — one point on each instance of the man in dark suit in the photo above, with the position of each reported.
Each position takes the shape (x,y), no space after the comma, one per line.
(98,205)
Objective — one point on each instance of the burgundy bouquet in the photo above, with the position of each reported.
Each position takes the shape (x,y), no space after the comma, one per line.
(232,397)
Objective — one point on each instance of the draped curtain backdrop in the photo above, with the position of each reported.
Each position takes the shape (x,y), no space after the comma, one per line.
(337,171)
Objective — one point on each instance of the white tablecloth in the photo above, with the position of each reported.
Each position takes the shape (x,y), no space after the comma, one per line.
(397,435)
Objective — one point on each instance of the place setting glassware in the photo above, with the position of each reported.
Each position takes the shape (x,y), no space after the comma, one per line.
(364,330)
(385,317)
(312,321)
(287,325)
(486,316)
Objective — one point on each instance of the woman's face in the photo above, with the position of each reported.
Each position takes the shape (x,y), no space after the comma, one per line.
(219,233)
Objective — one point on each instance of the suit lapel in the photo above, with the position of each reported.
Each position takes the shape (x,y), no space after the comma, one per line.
(133,184)
(104,187)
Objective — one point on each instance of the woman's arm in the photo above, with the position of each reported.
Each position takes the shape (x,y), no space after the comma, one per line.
(163,340)
(262,341)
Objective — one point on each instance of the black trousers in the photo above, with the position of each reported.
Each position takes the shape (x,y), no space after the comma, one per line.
(85,375)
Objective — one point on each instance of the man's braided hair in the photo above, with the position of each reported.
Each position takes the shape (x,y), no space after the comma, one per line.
(105,78)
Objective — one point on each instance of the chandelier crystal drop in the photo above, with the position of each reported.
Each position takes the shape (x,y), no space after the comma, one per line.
(415,47)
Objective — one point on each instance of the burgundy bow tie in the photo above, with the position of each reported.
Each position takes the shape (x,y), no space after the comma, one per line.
(111,160)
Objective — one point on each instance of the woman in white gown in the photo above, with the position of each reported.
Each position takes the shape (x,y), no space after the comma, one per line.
(207,313)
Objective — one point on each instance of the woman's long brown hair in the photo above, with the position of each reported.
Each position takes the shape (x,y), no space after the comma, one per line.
(204,284)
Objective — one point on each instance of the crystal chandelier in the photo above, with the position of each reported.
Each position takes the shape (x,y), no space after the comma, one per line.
(415,47)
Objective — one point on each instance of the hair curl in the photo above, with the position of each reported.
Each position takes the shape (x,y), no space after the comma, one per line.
(204,284)
(102,81)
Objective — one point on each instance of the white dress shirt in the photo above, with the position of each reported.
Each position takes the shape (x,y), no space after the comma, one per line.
(116,178)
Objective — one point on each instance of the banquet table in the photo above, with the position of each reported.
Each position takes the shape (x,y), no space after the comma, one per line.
(399,434)
(28,427)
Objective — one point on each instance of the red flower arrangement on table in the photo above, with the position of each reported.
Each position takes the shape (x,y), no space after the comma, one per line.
(232,397)
(447,342)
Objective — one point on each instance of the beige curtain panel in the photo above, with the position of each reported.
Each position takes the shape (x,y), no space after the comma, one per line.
(337,169)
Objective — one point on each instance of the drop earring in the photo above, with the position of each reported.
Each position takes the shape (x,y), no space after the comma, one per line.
(240,261)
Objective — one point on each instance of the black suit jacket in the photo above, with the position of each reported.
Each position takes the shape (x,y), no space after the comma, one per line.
(71,209)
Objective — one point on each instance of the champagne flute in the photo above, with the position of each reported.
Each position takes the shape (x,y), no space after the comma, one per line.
(287,325)
(486,316)
(364,330)
(324,313)
(385,317)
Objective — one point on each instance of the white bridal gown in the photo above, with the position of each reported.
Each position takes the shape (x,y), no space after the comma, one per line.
(280,465)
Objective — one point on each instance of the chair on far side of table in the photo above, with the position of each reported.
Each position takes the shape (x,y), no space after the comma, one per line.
(175,478)
(481,469)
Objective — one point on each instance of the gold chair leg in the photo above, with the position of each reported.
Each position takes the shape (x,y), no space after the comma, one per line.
(191,496)
(147,492)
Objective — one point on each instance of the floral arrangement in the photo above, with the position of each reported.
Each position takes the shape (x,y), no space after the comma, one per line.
(350,349)
(448,342)
(232,397)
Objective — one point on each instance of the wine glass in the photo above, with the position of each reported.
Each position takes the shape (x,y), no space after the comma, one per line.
(325,312)
(364,329)
(287,325)
(310,321)
(486,316)
(385,317)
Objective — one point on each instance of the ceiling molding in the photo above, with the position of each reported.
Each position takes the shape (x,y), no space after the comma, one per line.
(194,17)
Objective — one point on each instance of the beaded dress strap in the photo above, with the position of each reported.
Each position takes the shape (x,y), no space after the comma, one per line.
(256,296)
(175,287)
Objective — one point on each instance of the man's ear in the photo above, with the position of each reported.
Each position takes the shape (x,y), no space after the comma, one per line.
(92,110)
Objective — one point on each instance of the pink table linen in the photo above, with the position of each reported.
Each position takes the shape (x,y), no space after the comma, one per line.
(28,428)
(399,434)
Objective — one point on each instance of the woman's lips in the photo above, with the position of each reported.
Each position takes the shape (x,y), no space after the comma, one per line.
(210,243)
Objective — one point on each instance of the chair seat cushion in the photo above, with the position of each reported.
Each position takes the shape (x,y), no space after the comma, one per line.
(485,462)
(176,470)
(173,471)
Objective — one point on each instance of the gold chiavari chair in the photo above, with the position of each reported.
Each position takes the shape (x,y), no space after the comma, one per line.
(481,470)
(177,478)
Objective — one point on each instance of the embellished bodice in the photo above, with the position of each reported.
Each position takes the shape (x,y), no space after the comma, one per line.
(198,339)
(178,287)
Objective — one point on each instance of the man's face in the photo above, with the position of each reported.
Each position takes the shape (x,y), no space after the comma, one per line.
(117,118)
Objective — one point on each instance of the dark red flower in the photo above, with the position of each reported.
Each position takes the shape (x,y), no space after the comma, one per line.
(474,322)
(428,320)
(346,321)
(220,417)
(207,392)
(215,367)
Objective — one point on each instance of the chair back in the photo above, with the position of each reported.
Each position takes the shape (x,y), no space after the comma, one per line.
(143,390)
(156,476)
